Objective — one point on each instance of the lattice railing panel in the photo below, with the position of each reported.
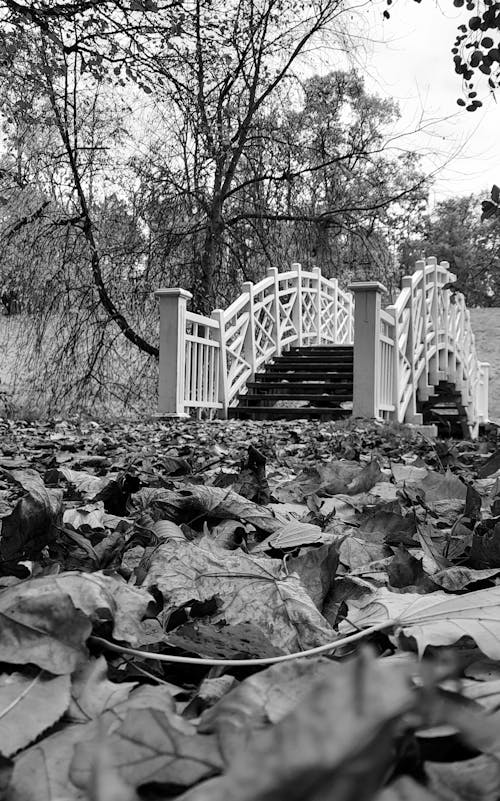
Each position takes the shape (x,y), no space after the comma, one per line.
(432,341)
(264,320)
(294,307)
(287,294)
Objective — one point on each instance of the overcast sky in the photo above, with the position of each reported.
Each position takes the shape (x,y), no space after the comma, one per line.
(411,61)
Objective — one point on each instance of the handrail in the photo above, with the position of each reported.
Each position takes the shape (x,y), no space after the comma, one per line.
(423,338)
(221,353)
(400,352)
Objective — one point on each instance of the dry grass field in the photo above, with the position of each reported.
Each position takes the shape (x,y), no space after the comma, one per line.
(486,325)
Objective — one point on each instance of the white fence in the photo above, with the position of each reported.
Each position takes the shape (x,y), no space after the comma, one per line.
(423,338)
(206,361)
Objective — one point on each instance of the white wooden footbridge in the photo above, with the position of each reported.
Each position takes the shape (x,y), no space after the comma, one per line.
(297,345)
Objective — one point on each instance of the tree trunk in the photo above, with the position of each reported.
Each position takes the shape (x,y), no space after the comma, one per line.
(205,289)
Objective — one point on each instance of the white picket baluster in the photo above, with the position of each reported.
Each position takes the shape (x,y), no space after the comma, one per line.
(297,306)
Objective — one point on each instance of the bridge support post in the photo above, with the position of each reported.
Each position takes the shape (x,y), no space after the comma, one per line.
(172,365)
(272,272)
(297,307)
(367,306)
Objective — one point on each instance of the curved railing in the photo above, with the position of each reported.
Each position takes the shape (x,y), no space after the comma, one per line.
(423,338)
(406,349)
(206,361)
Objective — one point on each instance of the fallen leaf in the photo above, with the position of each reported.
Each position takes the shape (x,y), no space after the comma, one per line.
(405,571)
(316,568)
(332,745)
(476,779)
(41,772)
(41,625)
(87,518)
(291,536)
(437,487)
(485,548)
(86,484)
(194,502)
(404,788)
(457,577)
(28,529)
(92,693)
(152,746)
(29,704)
(263,698)
(436,618)
(251,589)
(220,641)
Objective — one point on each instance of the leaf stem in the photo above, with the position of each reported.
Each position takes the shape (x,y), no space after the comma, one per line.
(268,660)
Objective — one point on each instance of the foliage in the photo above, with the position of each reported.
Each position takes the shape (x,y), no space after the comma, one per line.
(491,208)
(131,564)
(455,232)
(220,161)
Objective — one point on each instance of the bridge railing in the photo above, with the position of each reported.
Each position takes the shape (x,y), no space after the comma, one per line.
(423,338)
(206,361)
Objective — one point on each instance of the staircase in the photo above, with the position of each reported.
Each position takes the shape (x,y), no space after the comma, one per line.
(283,349)
(445,410)
(303,382)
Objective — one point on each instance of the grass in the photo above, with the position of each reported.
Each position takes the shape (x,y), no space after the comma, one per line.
(486,327)
(17,398)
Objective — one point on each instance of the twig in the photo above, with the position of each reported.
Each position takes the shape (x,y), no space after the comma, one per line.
(268,660)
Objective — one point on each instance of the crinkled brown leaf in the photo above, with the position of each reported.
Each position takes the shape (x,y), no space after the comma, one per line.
(152,746)
(405,571)
(437,487)
(88,518)
(337,742)
(427,538)
(53,600)
(194,502)
(28,528)
(316,568)
(263,698)
(86,484)
(40,624)
(458,577)
(250,589)
(220,641)
(476,779)
(437,618)
(387,527)
(356,553)
(29,704)
(41,772)
(404,788)
(485,548)
(92,693)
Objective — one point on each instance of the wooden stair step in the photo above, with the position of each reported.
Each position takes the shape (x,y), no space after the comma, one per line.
(311,349)
(299,361)
(318,387)
(297,396)
(302,377)
(288,413)
(288,367)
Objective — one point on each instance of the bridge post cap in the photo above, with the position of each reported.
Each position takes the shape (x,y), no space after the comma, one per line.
(367,286)
(173,292)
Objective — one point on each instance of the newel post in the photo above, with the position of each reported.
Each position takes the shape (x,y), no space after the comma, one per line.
(172,365)
(272,272)
(367,306)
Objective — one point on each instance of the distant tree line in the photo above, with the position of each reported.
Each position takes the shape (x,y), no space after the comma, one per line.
(465,231)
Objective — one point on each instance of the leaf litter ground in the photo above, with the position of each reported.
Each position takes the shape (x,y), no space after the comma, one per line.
(252,611)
